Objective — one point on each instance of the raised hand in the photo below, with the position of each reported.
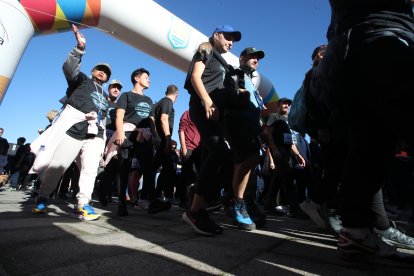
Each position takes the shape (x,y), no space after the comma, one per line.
(79,38)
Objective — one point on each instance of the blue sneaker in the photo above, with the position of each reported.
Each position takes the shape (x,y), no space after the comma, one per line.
(85,213)
(41,206)
(240,216)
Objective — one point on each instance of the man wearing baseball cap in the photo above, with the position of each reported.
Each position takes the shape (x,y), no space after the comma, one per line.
(83,117)
(242,129)
(283,149)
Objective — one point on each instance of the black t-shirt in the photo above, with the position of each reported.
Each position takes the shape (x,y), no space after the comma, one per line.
(214,72)
(137,108)
(282,134)
(111,116)
(164,106)
(87,97)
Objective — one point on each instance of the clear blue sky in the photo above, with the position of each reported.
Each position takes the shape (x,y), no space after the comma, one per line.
(286,30)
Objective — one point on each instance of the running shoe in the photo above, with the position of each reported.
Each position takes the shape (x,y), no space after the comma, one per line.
(158,205)
(313,210)
(240,216)
(142,204)
(41,206)
(364,247)
(122,210)
(395,237)
(213,206)
(202,223)
(86,213)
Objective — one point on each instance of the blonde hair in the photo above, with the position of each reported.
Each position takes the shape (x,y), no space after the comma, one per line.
(51,115)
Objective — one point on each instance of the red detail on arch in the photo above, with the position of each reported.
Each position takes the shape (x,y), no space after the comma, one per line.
(41,12)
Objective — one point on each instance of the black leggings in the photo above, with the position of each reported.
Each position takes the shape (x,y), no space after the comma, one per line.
(216,159)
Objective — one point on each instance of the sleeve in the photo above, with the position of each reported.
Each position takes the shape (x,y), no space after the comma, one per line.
(71,66)
(153,107)
(122,102)
(183,122)
(165,107)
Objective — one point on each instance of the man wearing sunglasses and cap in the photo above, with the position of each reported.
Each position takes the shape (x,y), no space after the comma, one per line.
(79,132)
(241,130)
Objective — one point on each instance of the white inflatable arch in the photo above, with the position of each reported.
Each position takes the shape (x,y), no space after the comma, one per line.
(167,38)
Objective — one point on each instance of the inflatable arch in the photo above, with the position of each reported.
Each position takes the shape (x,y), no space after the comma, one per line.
(168,38)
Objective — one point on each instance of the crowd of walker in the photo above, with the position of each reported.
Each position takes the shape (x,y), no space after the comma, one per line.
(355,104)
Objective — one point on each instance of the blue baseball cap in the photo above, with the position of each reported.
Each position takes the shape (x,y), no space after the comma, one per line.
(229,30)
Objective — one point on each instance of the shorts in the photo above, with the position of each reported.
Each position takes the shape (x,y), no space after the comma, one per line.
(241,131)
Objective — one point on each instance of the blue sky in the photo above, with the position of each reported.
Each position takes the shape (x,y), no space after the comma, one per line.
(286,30)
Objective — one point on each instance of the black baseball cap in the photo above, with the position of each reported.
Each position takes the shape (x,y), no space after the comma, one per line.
(104,67)
(285,100)
(251,50)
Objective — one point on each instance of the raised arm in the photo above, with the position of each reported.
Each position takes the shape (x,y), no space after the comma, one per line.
(71,67)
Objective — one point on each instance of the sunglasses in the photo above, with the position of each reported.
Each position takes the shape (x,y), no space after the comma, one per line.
(228,36)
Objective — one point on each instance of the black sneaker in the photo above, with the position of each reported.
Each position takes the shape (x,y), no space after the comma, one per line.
(103,200)
(158,205)
(395,237)
(213,206)
(202,223)
(122,210)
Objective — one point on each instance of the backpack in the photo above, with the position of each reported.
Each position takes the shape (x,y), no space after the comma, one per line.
(298,111)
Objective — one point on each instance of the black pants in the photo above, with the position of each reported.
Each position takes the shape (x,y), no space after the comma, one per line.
(216,154)
(145,153)
(190,167)
(168,177)
(107,177)
(71,176)
(327,189)
(282,181)
(377,99)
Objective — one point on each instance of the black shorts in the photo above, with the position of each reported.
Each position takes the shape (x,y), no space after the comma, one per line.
(241,131)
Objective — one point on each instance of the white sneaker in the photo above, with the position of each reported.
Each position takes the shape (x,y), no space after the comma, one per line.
(143,204)
(312,209)
(282,209)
